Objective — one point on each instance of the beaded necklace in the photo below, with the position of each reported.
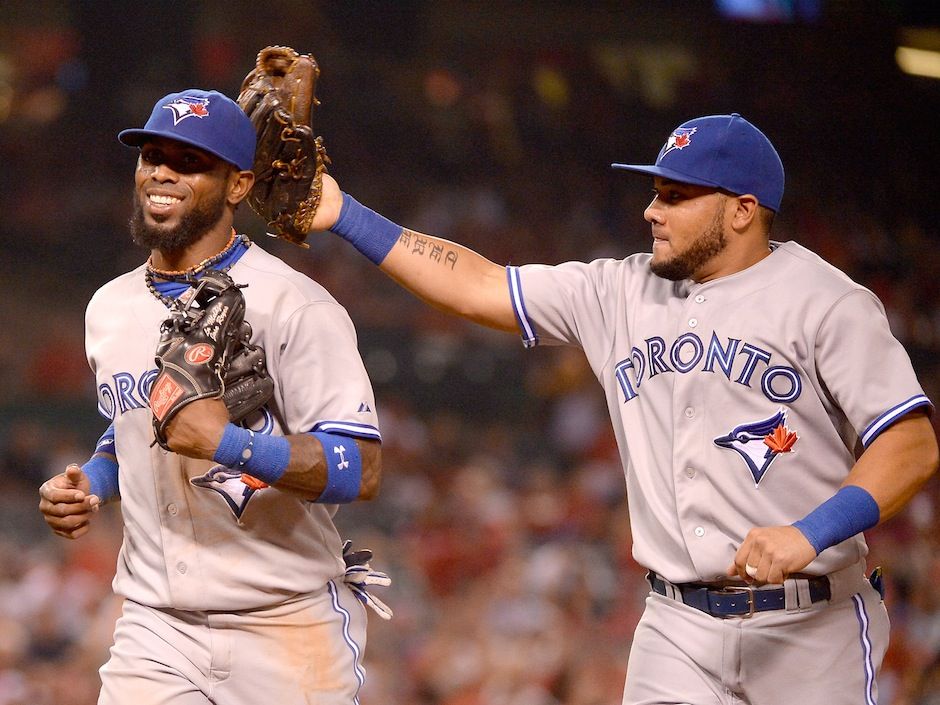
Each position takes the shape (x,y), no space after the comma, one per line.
(190,275)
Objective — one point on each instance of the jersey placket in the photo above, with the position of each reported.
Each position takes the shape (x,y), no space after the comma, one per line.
(693,509)
(176,528)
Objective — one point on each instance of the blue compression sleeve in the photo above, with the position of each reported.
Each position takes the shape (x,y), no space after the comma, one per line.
(103,474)
(102,470)
(343,468)
(372,234)
(258,454)
(849,511)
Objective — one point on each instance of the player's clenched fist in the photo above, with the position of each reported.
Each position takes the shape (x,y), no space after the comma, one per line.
(769,555)
(66,503)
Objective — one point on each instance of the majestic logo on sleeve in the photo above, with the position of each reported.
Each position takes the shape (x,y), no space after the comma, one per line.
(760,442)
(185,107)
(680,139)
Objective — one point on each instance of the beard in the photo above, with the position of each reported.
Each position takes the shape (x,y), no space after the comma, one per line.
(190,229)
(709,244)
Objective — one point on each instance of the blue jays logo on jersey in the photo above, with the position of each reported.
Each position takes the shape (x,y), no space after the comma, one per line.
(235,487)
(680,139)
(760,442)
(185,107)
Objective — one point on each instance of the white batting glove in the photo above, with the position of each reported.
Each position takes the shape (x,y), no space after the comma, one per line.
(359,574)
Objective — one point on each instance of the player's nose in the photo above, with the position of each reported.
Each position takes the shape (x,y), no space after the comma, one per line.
(652,214)
(164,174)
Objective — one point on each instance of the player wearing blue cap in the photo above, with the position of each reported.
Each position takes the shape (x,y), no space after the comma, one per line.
(235,580)
(764,413)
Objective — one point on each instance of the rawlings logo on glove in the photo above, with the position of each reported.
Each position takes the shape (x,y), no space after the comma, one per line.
(204,353)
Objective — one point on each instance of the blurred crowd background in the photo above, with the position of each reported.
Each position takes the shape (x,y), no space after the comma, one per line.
(502,517)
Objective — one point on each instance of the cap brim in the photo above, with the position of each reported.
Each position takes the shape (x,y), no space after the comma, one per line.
(137,136)
(671,174)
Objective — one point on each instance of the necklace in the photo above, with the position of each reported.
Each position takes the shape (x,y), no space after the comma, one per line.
(189,275)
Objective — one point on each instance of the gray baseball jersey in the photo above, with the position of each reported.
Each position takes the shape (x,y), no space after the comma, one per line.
(195,536)
(736,403)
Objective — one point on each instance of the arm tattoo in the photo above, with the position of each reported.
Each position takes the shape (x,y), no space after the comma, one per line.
(422,246)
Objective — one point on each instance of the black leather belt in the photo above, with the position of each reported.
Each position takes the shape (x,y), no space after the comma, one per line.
(732,600)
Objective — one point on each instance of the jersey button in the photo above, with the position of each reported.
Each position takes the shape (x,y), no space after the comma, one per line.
(181,567)
(699,531)
(693,322)
(699,299)
(689,412)
(171,508)
(690,472)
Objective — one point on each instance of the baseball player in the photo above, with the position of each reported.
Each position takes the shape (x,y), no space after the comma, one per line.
(764,413)
(231,567)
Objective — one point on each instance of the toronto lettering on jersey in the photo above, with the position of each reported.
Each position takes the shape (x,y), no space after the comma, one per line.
(125,392)
(738,361)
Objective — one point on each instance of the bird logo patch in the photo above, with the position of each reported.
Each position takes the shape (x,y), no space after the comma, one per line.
(680,139)
(185,107)
(235,487)
(759,443)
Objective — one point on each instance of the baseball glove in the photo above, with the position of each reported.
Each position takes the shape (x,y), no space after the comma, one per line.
(204,353)
(278,96)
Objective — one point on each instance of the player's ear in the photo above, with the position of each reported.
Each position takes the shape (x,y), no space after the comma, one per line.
(744,213)
(239,184)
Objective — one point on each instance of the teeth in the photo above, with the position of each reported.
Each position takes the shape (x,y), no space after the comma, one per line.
(164,200)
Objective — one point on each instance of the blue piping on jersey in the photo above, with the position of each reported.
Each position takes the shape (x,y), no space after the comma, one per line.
(892,415)
(348,428)
(529,337)
(863,624)
(347,637)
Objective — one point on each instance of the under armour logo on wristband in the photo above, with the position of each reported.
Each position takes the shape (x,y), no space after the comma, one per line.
(340,451)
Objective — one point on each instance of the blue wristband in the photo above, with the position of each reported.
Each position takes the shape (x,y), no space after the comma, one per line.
(103,474)
(260,455)
(372,234)
(343,468)
(849,511)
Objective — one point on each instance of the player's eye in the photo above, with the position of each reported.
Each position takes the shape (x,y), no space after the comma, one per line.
(151,156)
(193,162)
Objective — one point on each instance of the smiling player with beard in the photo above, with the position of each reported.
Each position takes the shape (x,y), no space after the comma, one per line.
(234,577)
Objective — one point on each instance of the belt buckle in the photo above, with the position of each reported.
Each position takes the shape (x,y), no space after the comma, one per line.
(750,598)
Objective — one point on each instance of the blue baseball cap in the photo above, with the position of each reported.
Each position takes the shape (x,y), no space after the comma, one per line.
(208,120)
(723,151)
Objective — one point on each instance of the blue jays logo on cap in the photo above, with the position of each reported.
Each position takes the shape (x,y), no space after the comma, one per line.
(727,152)
(188,107)
(679,139)
(219,127)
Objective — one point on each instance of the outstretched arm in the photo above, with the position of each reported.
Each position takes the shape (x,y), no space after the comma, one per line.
(448,276)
